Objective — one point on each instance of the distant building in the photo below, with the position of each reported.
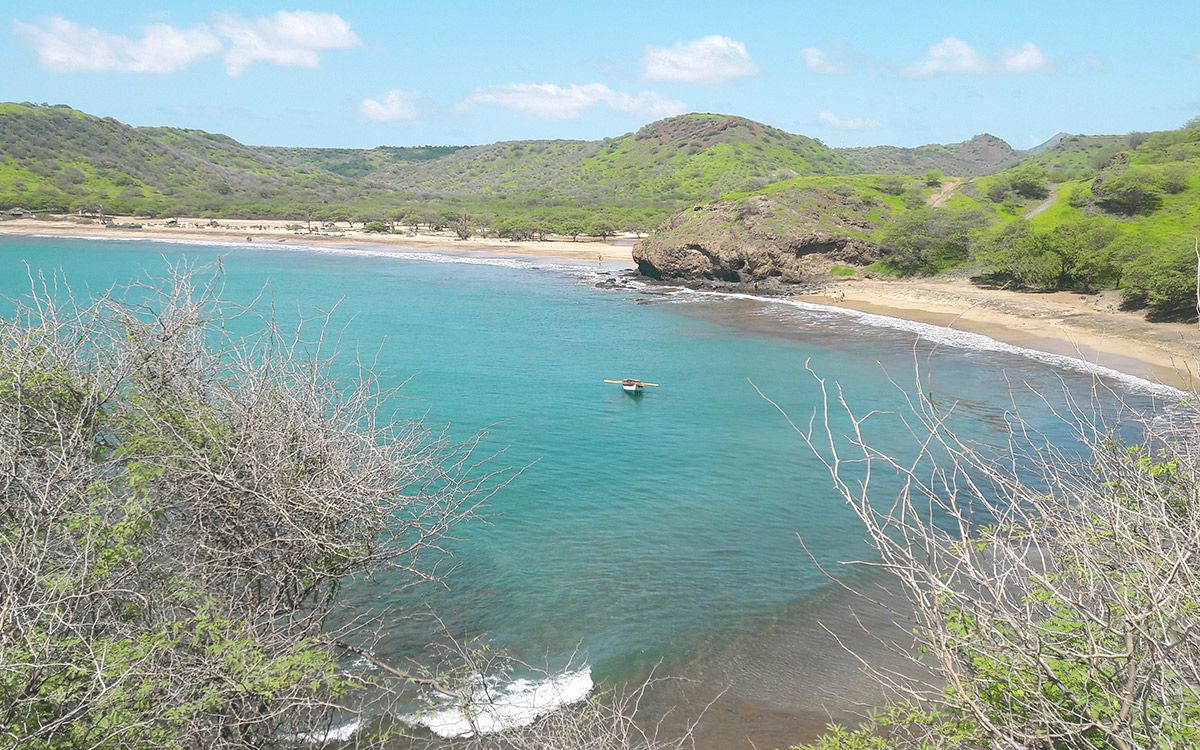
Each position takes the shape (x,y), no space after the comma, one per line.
(18,212)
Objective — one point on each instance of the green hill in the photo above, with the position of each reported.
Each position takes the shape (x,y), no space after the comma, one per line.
(1080,213)
(680,159)
(981,155)
(57,158)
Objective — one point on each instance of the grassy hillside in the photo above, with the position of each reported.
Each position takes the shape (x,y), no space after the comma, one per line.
(1079,212)
(59,158)
(56,158)
(356,162)
(981,155)
(685,158)
(1082,213)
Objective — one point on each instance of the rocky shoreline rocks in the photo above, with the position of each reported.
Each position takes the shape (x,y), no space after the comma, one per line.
(747,245)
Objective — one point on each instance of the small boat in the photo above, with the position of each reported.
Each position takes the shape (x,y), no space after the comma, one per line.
(632,386)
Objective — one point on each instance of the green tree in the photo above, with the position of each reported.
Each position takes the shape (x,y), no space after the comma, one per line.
(1029,182)
(1016,254)
(1136,190)
(1163,278)
(572,228)
(1077,255)
(1083,255)
(925,241)
(601,227)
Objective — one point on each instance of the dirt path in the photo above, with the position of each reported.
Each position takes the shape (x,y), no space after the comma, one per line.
(1044,204)
(938,199)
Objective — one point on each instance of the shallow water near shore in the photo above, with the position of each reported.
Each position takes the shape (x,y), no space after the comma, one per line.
(661,528)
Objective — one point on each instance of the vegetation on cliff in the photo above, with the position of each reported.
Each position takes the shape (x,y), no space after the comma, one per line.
(1082,214)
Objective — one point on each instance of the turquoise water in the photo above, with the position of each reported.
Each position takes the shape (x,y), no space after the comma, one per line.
(658,528)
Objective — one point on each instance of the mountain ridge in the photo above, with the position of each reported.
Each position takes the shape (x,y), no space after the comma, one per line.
(62,159)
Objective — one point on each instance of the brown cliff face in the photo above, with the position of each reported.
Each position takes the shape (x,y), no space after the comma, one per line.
(749,242)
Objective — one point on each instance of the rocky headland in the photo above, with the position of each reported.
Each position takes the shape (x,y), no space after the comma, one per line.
(760,241)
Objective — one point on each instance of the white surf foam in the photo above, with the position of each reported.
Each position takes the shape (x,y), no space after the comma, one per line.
(517,704)
(957,338)
(164,240)
(344,733)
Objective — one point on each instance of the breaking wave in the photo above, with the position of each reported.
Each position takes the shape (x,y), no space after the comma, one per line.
(498,708)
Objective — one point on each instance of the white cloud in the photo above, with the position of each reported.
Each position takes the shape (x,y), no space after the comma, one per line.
(393,106)
(553,102)
(65,46)
(709,59)
(1024,59)
(291,38)
(954,56)
(951,55)
(819,62)
(850,123)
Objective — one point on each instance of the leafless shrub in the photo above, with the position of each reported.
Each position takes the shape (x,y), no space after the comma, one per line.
(1055,588)
(179,509)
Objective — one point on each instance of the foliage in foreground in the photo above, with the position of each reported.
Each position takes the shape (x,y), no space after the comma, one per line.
(180,510)
(178,514)
(1055,593)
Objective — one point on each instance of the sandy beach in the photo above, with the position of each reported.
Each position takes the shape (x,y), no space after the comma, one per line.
(1089,327)
(586,249)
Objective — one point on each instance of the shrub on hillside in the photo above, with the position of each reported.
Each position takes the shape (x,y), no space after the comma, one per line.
(1163,279)
(1135,190)
(925,241)
(1077,255)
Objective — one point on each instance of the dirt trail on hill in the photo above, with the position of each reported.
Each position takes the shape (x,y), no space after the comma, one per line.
(1044,204)
(938,199)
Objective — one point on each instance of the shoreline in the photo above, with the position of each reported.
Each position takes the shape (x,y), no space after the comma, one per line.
(251,232)
(1089,328)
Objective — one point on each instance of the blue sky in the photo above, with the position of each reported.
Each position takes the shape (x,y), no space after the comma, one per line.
(409,73)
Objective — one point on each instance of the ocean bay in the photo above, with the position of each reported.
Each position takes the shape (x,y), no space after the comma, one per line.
(661,528)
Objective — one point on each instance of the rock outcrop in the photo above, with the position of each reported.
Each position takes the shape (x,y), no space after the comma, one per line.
(750,241)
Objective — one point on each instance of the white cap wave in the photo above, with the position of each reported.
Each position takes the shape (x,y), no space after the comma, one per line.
(517,704)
